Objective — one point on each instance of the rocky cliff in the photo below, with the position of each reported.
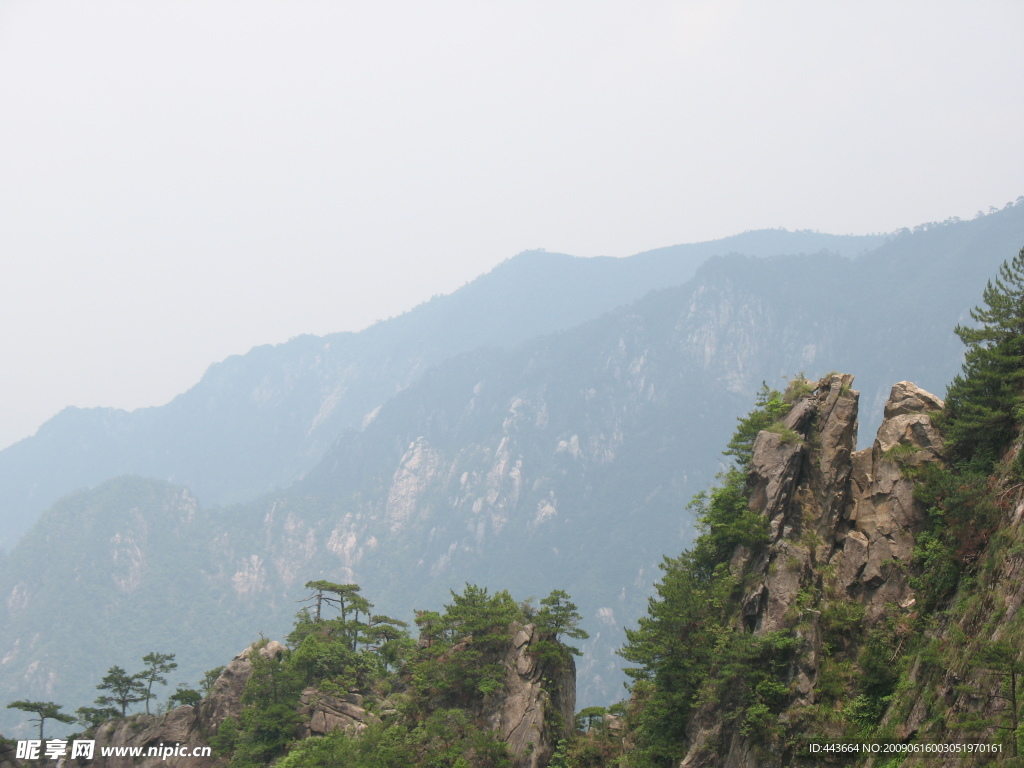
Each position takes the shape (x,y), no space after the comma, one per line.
(189,727)
(842,525)
(530,714)
(538,705)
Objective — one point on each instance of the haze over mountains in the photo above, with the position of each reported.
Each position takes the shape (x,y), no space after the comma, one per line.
(259,420)
(543,427)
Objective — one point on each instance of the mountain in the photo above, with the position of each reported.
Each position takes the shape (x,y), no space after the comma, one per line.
(259,421)
(563,461)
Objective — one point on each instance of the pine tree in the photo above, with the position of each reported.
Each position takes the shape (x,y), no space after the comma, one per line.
(125,690)
(986,401)
(43,711)
(559,615)
(157,665)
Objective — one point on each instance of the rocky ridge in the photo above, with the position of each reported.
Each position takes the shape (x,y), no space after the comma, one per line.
(535,710)
(841,524)
(191,727)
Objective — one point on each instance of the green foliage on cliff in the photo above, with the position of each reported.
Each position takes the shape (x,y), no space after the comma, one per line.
(984,410)
(447,738)
(970,542)
(427,699)
(985,403)
(687,648)
(952,666)
(769,407)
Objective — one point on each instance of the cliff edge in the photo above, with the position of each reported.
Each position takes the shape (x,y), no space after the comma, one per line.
(836,568)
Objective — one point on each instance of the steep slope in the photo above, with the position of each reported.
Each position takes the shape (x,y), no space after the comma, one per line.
(841,541)
(258,421)
(795,594)
(846,607)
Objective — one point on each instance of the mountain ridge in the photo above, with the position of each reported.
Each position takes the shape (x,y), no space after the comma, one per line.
(259,420)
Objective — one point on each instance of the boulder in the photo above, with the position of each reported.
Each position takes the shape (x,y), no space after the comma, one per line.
(905,397)
(323,713)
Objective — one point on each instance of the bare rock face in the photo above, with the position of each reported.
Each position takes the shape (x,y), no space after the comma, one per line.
(776,464)
(323,713)
(225,697)
(535,699)
(178,727)
(884,517)
(189,727)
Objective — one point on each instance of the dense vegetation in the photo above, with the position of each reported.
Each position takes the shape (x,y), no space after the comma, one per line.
(967,498)
(972,541)
(685,649)
(427,700)
(428,697)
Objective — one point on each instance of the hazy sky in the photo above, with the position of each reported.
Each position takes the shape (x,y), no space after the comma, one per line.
(181,181)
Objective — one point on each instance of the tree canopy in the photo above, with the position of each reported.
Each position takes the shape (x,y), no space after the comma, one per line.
(157,665)
(985,402)
(43,711)
(125,690)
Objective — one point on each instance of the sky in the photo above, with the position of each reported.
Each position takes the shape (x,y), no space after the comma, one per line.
(183,180)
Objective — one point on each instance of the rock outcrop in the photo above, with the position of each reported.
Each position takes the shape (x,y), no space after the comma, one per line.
(187,727)
(538,704)
(842,523)
(533,711)
(323,713)
(225,697)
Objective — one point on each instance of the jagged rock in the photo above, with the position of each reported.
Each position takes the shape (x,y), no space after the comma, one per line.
(831,510)
(324,713)
(188,726)
(522,715)
(884,510)
(775,465)
(226,695)
(836,437)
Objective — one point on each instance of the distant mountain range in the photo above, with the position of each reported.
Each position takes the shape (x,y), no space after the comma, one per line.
(259,421)
(541,428)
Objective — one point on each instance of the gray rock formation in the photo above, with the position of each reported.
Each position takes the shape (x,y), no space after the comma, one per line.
(841,522)
(538,705)
(187,727)
(225,697)
(323,713)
